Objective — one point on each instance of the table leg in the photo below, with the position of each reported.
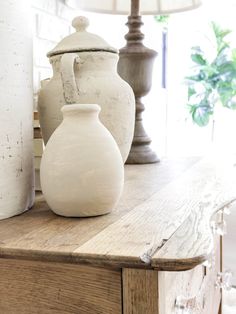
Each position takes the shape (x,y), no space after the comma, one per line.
(140,291)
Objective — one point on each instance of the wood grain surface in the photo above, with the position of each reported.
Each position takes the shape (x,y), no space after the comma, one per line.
(157,223)
(29,287)
(140,291)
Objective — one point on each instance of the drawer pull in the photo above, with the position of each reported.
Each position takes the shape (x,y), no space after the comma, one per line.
(187,305)
(219,227)
(194,304)
(224,280)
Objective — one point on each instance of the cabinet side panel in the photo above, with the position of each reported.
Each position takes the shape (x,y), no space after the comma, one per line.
(37,287)
(140,291)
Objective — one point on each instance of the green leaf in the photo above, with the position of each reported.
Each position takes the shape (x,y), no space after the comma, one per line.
(233,83)
(234,55)
(220,59)
(198,58)
(222,46)
(227,94)
(201,116)
(220,32)
(195,78)
(212,81)
(201,112)
(162,19)
(191,92)
(233,105)
(230,104)
(227,67)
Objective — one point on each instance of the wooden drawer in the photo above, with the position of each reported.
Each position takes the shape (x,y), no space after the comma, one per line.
(212,293)
(196,287)
(175,284)
(29,287)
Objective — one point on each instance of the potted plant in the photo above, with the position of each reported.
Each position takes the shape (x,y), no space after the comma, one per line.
(213,81)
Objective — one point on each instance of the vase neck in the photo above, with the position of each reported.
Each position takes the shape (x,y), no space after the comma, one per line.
(80,111)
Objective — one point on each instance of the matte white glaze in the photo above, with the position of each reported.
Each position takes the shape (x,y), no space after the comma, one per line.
(82,170)
(88,76)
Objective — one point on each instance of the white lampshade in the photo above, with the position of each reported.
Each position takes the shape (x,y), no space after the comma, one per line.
(150,7)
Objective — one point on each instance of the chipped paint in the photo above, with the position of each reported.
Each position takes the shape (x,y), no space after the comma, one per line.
(16,158)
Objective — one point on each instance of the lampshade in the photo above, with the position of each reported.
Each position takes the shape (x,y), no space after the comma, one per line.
(150,7)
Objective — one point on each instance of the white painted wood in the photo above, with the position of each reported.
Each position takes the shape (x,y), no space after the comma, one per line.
(229,240)
(186,284)
(16,132)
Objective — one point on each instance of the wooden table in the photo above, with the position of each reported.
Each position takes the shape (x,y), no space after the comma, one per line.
(144,258)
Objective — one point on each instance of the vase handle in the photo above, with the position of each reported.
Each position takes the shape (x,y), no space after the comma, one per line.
(70,89)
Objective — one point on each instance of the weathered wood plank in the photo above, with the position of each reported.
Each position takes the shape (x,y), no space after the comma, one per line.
(39,234)
(194,242)
(140,291)
(139,236)
(141,232)
(35,287)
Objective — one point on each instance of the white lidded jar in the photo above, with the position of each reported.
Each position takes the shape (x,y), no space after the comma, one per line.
(16,109)
(85,71)
(82,171)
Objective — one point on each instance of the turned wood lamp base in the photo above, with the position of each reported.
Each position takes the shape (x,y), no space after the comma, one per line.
(135,67)
(142,155)
(141,152)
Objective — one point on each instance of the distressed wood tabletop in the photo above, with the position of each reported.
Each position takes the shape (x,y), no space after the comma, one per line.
(161,222)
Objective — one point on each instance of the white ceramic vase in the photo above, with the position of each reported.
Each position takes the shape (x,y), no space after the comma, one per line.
(82,170)
(16,109)
(85,72)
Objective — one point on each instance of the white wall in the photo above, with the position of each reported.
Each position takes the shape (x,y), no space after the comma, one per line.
(166,118)
(187,30)
(51,20)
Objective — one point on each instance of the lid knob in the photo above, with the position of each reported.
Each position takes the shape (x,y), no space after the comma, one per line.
(80,23)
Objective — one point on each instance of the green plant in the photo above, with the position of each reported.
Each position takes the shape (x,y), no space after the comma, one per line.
(163,19)
(212,81)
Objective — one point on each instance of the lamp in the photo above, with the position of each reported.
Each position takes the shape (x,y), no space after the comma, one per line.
(136,61)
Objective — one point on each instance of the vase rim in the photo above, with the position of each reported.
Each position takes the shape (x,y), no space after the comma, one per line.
(80,108)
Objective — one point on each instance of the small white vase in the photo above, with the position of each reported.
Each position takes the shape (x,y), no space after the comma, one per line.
(82,172)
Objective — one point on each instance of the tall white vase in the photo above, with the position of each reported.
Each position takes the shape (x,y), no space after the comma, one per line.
(85,72)
(82,171)
(16,134)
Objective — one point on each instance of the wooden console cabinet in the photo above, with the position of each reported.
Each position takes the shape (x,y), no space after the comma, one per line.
(146,257)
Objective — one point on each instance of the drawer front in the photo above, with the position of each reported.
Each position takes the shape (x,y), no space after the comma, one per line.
(30,287)
(172,285)
(215,293)
(194,288)
(212,294)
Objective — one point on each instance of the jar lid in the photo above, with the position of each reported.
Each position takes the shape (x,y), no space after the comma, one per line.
(81,40)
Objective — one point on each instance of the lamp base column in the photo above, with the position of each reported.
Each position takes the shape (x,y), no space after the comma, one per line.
(135,67)
(142,155)
(141,152)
